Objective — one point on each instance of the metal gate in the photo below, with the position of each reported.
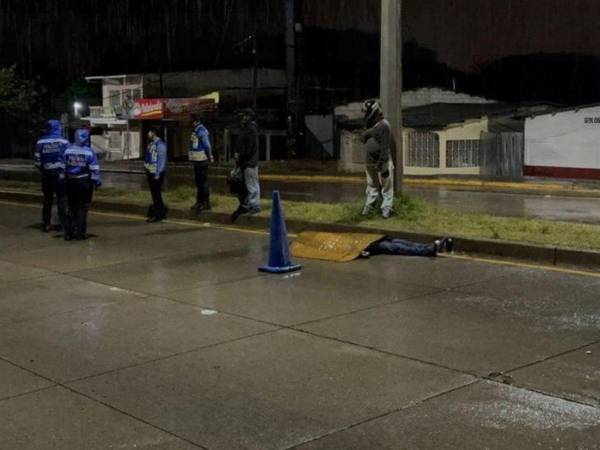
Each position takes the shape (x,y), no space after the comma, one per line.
(502,155)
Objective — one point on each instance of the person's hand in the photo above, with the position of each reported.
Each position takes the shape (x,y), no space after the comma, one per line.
(157,178)
(211,159)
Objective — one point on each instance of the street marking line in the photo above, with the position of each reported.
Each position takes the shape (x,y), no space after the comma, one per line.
(27,205)
(439,182)
(309,178)
(265,233)
(219,227)
(524,265)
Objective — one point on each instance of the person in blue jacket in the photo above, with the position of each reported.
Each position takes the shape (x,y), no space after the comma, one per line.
(49,159)
(201,156)
(155,163)
(83,176)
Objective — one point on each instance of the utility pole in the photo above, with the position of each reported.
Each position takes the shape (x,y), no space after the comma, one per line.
(254,73)
(255,65)
(291,94)
(391,78)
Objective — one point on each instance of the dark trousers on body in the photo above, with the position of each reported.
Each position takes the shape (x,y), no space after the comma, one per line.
(158,206)
(79,192)
(401,247)
(54,185)
(202,189)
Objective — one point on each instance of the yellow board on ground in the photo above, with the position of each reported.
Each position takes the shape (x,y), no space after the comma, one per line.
(337,247)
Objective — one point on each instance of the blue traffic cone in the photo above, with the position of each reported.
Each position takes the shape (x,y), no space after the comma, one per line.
(279,247)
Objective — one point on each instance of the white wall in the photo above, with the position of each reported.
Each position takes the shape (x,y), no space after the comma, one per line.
(564,139)
(352,154)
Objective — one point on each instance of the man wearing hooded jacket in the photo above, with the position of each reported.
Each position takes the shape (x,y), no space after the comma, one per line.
(49,159)
(379,168)
(83,176)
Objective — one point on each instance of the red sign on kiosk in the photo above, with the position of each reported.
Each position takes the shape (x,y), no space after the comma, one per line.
(168,108)
(148,109)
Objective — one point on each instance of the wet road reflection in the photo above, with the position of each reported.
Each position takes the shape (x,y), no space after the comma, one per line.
(502,204)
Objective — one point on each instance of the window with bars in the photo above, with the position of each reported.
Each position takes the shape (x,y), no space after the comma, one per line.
(423,150)
(462,153)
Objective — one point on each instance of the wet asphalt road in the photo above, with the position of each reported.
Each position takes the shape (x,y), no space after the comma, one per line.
(167,337)
(583,209)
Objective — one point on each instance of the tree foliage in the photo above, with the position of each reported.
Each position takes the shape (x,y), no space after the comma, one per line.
(20,112)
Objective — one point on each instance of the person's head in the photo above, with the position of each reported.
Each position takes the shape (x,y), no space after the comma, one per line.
(246,116)
(196,120)
(54,128)
(373,112)
(82,137)
(153,133)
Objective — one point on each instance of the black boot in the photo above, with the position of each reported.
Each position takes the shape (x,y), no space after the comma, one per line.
(237,213)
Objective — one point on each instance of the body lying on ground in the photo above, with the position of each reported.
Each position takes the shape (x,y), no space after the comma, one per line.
(345,247)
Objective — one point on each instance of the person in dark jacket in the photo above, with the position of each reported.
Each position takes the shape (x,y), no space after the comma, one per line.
(201,156)
(246,158)
(155,163)
(49,159)
(83,176)
(401,247)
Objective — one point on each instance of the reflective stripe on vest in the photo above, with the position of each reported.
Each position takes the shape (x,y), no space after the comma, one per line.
(152,165)
(197,155)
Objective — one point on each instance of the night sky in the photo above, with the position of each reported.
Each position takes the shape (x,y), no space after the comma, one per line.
(64,40)
(466,33)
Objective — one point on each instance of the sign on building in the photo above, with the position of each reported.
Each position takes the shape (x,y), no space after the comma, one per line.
(564,145)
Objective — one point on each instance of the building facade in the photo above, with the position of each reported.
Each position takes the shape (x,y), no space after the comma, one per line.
(565,144)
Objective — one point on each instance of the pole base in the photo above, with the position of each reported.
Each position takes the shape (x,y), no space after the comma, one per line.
(280,270)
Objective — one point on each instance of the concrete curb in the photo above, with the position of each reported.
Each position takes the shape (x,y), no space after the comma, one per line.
(546,255)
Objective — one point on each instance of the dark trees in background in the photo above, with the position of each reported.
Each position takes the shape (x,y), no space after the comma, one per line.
(20,113)
(62,40)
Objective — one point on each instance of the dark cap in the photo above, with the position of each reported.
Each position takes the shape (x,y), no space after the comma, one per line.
(247,112)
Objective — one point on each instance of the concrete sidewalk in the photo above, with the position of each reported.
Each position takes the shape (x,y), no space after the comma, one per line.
(166,337)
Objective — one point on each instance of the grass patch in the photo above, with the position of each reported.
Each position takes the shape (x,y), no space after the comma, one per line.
(414,215)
